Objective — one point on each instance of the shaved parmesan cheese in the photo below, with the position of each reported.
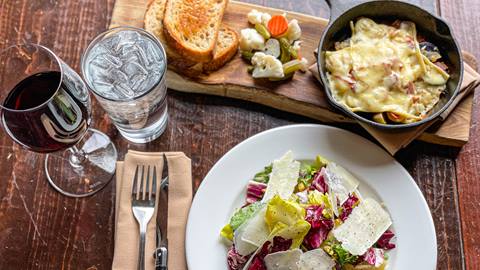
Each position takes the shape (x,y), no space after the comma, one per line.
(367,222)
(252,234)
(284,177)
(316,259)
(283,260)
(340,182)
(295,259)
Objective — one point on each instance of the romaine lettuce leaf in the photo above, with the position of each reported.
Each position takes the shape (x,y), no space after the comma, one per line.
(244,214)
(263,176)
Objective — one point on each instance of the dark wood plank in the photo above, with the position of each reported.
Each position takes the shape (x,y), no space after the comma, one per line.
(433,168)
(40,229)
(463,16)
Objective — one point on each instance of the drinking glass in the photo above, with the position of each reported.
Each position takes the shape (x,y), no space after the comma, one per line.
(45,107)
(125,68)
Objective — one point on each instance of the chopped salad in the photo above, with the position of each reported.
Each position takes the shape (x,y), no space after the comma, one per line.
(307,215)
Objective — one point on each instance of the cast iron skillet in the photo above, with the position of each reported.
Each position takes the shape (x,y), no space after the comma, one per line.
(432,27)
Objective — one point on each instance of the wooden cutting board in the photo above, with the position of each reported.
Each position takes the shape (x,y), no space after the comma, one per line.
(303,95)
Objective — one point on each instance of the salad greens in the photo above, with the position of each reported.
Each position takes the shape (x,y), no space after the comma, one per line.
(305,221)
(263,176)
(343,257)
(244,214)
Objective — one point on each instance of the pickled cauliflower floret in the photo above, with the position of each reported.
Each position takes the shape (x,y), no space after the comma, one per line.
(294,32)
(266,18)
(250,39)
(255,16)
(266,66)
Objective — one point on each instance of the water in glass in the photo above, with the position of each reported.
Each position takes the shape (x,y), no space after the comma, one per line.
(126,71)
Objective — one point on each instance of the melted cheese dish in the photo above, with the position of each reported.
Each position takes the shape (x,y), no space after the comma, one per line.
(381,69)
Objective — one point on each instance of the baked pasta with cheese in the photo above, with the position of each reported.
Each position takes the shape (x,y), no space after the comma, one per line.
(386,71)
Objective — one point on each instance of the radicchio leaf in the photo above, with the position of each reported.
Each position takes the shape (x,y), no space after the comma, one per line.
(384,240)
(348,206)
(318,182)
(374,256)
(235,261)
(320,227)
(255,191)
(279,244)
(258,262)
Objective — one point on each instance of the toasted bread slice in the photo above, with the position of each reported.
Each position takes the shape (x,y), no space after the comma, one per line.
(153,23)
(226,48)
(191,27)
(227,45)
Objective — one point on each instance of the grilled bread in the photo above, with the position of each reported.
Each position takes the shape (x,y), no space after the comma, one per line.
(153,23)
(227,44)
(226,48)
(191,27)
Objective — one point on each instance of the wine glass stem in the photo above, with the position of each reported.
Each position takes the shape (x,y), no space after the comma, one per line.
(77,157)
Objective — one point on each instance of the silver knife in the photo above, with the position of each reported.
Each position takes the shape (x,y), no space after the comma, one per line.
(161,252)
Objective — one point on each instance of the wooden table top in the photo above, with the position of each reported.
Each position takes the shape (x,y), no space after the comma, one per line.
(41,229)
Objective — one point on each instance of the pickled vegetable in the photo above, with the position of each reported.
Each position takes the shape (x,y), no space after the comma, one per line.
(292,66)
(247,55)
(262,30)
(284,54)
(277,25)
(272,47)
(285,44)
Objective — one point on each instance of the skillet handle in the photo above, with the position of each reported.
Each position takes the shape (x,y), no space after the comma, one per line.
(338,7)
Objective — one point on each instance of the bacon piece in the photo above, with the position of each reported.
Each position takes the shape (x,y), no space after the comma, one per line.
(441,65)
(411,88)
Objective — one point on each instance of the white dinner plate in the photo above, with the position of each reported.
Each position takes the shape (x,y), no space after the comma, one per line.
(381,177)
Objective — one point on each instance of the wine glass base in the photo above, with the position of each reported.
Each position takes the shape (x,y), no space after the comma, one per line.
(74,177)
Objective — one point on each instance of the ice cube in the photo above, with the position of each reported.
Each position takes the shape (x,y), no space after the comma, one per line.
(126,64)
(118,75)
(111,60)
(133,69)
(142,56)
(123,89)
(110,43)
(127,38)
(106,89)
(151,80)
(154,52)
(138,83)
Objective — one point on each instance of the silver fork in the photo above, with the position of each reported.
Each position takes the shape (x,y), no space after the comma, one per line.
(143,205)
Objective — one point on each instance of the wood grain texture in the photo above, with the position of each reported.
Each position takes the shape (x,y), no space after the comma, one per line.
(468,161)
(303,95)
(40,229)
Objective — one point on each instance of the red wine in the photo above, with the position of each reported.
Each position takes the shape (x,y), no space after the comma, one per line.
(46,120)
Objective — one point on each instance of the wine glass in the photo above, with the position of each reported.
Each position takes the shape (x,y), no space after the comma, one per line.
(45,107)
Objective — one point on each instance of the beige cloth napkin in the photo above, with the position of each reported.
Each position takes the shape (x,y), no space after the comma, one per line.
(179,201)
(394,141)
